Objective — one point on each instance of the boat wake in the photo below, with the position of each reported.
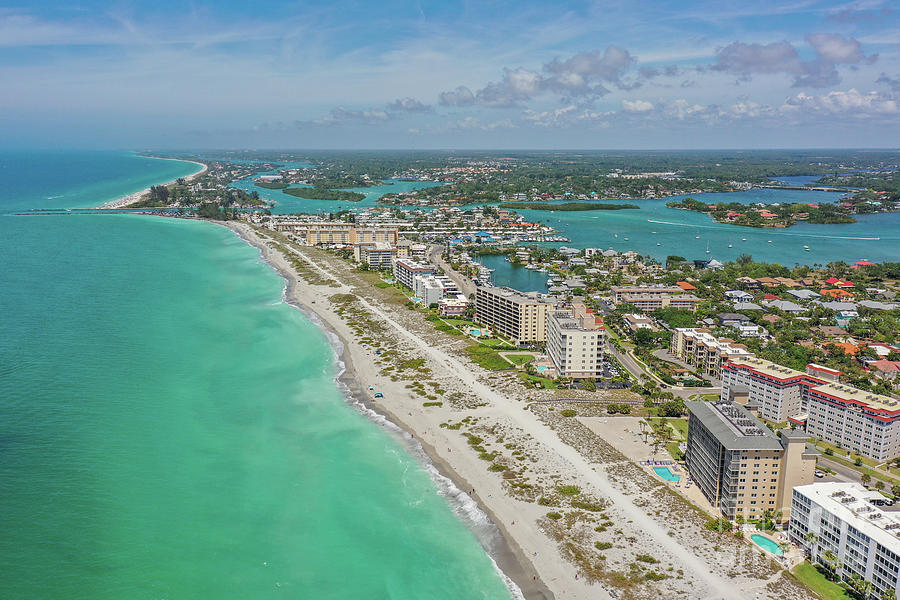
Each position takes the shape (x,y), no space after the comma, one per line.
(809,235)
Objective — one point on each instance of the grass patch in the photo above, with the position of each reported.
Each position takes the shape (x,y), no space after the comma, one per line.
(568,412)
(815,580)
(427,404)
(569,490)
(486,358)
(520,359)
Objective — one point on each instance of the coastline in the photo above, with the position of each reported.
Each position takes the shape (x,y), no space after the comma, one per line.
(124,201)
(508,557)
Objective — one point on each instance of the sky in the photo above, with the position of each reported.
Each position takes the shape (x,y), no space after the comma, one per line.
(429,74)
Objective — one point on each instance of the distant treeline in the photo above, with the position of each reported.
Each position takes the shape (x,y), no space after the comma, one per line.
(317,193)
(567,206)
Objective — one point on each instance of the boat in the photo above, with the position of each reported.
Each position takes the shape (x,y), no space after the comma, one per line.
(615,235)
(626,239)
(707,247)
(731,245)
(770,241)
(658,244)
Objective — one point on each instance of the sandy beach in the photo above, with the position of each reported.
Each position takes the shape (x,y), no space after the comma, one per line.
(578,518)
(132,198)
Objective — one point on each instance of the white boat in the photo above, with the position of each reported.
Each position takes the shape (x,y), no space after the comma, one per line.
(658,244)
(730,245)
(743,239)
(770,241)
(626,239)
(707,247)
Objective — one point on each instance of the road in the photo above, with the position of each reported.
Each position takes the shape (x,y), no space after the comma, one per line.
(465,285)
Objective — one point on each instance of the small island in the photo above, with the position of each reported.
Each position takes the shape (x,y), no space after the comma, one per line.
(567,206)
(768,215)
(319,193)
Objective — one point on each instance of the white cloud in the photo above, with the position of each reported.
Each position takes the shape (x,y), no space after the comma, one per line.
(850,103)
(637,106)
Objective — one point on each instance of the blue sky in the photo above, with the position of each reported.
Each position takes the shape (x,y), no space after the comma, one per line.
(446,74)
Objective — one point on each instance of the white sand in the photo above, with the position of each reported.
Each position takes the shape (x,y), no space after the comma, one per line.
(538,561)
(132,198)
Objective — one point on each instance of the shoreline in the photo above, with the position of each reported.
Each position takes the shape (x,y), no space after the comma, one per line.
(509,559)
(124,201)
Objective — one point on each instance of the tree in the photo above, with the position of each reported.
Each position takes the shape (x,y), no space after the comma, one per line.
(866,479)
(831,562)
(672,408)
(644,337)
(860,586)
(889,594)
(879,485)
(895,490)
(744,259)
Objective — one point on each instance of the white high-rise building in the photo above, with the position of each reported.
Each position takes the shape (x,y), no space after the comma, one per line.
(839,527)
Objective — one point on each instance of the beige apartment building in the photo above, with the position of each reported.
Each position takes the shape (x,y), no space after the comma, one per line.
(703,351)
(648,303)
(337,233)
(575,342)
(741,467)
(618,293)
(520,317)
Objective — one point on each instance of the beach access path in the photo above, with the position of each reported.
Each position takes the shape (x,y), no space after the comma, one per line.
(530,554)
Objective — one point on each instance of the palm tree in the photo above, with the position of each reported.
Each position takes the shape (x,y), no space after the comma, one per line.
(859,585)
(832,563)
(889,594)
(866,479)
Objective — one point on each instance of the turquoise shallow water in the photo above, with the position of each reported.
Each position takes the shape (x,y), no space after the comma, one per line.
(170,429)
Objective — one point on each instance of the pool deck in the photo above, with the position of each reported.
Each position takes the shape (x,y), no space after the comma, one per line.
(624,434)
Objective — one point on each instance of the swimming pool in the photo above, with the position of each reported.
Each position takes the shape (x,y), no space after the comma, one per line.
(541,368)
(767,544)
(667,474)
(475,332)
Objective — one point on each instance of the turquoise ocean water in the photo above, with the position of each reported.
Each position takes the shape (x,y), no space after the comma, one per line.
(169,428)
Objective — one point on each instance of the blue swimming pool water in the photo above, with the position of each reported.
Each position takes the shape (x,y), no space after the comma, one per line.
(475,332)
(766,544)
(541,368)
(667,474)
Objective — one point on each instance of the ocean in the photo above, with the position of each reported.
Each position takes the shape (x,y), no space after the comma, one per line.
(170,428)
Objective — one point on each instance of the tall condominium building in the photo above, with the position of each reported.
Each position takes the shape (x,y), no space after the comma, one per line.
(336,233)
(378,255)
(575,342)
(861,421)
(406,271)
(619,293)
(434,288)
(648,303)
(779,392)
(703,351)
(520,317)
(866,423)
(741,467)
(840,520)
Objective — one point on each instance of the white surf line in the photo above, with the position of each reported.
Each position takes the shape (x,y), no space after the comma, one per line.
(529,422)
(811,235)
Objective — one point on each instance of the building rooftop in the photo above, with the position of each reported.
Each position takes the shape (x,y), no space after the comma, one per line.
(852,503)
(851,394)
(766,367)
(513,295)
(734,426)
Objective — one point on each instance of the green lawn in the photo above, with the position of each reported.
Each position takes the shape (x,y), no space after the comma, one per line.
(810,576)
(520,359)
(496,343)
(678,426)
(487,358)
(547,384)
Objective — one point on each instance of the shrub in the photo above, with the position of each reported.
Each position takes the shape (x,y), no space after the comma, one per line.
(568,412)
(554,515)
(646,558)
(722,525)
(603,545)
(497,467)
(427,404)
(569,490)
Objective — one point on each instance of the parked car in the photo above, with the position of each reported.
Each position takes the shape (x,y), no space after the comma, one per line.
(820,474)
